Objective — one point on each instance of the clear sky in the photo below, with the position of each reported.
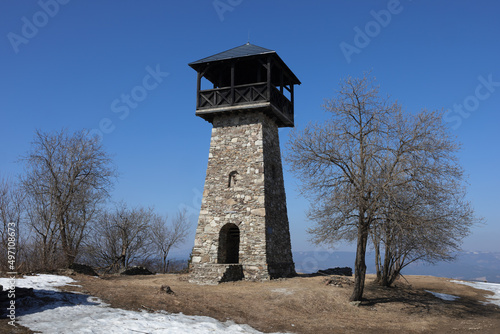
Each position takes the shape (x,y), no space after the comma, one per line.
(71,64)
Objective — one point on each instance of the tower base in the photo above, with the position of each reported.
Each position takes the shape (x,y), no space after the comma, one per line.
(212,274)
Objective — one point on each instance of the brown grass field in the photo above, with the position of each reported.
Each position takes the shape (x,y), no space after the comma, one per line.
(305,304)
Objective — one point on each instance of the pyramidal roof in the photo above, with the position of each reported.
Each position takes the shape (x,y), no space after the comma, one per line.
(239,51)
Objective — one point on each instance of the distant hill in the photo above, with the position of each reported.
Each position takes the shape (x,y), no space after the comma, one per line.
(470,266)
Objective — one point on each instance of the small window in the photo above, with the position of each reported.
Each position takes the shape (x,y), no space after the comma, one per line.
(233,179)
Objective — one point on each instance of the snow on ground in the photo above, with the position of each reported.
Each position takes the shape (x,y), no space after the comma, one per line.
(443,296)
(283,291)
(493,287)
(40,282)
(66,313)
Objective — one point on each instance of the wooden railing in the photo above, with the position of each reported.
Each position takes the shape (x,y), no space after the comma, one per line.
(244,94)
(281,102)
(219,97)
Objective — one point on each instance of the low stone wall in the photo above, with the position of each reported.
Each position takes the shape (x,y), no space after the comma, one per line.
(345,271)
(256,272)
(211,274)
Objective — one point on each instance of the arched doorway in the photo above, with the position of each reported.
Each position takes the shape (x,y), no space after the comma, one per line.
(229,244)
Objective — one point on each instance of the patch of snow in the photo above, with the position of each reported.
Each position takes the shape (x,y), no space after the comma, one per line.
(283,291)
(101,319)
(493,287)
(39,282)
(77,313)
(443,296)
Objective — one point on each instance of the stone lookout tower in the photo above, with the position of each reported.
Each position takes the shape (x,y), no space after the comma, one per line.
(243,228)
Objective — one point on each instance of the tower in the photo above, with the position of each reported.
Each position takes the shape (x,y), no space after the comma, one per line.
(243,230)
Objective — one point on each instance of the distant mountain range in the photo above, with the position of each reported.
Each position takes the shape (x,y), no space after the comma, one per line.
(470,266)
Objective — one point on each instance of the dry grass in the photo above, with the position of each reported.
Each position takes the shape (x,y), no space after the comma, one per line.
(307,305)
(5,328)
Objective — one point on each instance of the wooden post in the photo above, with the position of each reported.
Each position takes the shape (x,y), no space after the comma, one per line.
(198,88)
(281,81)
(232,83)
(269,78)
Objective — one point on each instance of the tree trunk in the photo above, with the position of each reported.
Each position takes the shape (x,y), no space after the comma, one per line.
(360,265)
(45,254)
(386,268)
(376,245)
(395,272)
(68,256)
(123,259)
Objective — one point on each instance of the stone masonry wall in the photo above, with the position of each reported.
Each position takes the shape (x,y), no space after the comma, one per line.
(246,145)
(279,250)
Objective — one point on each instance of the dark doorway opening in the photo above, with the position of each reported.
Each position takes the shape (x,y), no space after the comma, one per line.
(229,244)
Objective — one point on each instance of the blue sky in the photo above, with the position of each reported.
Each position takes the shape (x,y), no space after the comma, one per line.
(69,64)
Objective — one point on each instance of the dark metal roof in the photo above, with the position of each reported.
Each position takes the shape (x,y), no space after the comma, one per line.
(246,50)
(239,51)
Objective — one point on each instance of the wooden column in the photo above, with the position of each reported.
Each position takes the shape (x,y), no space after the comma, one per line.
(269,78)
(281,82)
(198,88)
(232,84)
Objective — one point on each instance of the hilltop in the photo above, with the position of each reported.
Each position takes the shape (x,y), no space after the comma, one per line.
(307,304)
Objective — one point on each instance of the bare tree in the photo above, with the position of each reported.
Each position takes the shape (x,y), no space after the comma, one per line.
(360,169)
(68,175)
(421,223)
(120,238)
(422,213)
(165,237)
(45,242)
(11,215)
(336,162)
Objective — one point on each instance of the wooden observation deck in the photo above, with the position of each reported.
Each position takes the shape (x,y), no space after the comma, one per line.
(246,78)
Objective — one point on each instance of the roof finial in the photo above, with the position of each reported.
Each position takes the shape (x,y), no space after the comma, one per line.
(248,40)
